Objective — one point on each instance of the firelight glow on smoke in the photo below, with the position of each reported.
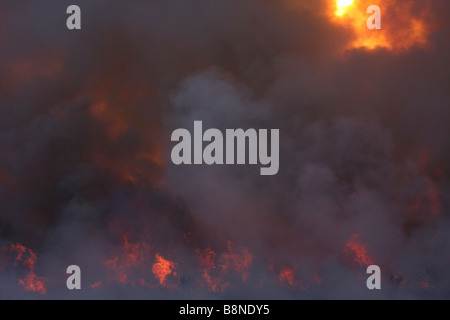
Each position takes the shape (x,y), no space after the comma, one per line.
(401,27)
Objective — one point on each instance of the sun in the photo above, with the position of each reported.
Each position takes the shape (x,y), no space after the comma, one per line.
(342,6)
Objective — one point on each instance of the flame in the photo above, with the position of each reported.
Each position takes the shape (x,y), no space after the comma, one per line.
(287,275)
(162,268)
(131,266)
(401,26)
(228,261)
(215,285)
(27,258)
(239,262)
(358,250)
(132,260)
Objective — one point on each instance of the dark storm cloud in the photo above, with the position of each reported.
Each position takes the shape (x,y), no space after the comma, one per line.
(364,140)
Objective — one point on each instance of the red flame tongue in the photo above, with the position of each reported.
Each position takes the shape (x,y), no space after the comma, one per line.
(238,261)
(207,258)
(17,255)
(232,260)
(136,264)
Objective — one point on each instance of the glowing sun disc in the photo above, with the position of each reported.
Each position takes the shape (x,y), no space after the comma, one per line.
(342,5)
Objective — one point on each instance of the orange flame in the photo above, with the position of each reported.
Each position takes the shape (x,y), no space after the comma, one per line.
(134,256)
(287,275)
(228,261)
(206,258)
(239,262)
(162,268)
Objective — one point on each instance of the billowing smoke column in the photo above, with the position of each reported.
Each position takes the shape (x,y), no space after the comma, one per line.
(85,170)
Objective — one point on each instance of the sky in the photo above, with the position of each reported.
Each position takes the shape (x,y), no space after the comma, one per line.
(86,176)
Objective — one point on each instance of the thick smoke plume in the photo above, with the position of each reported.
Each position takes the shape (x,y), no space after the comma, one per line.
(85,170)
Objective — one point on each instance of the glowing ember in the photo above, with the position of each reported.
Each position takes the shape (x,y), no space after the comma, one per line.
(228,261)
(86,146)
(239,262)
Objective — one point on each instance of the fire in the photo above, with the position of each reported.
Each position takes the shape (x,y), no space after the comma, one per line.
(216,284)
(132,260)
(287,275)
(162,268)
(27,258)
(215,278)
(402,27)
(132,252)
(239,262)
(206,258)
(354,247)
